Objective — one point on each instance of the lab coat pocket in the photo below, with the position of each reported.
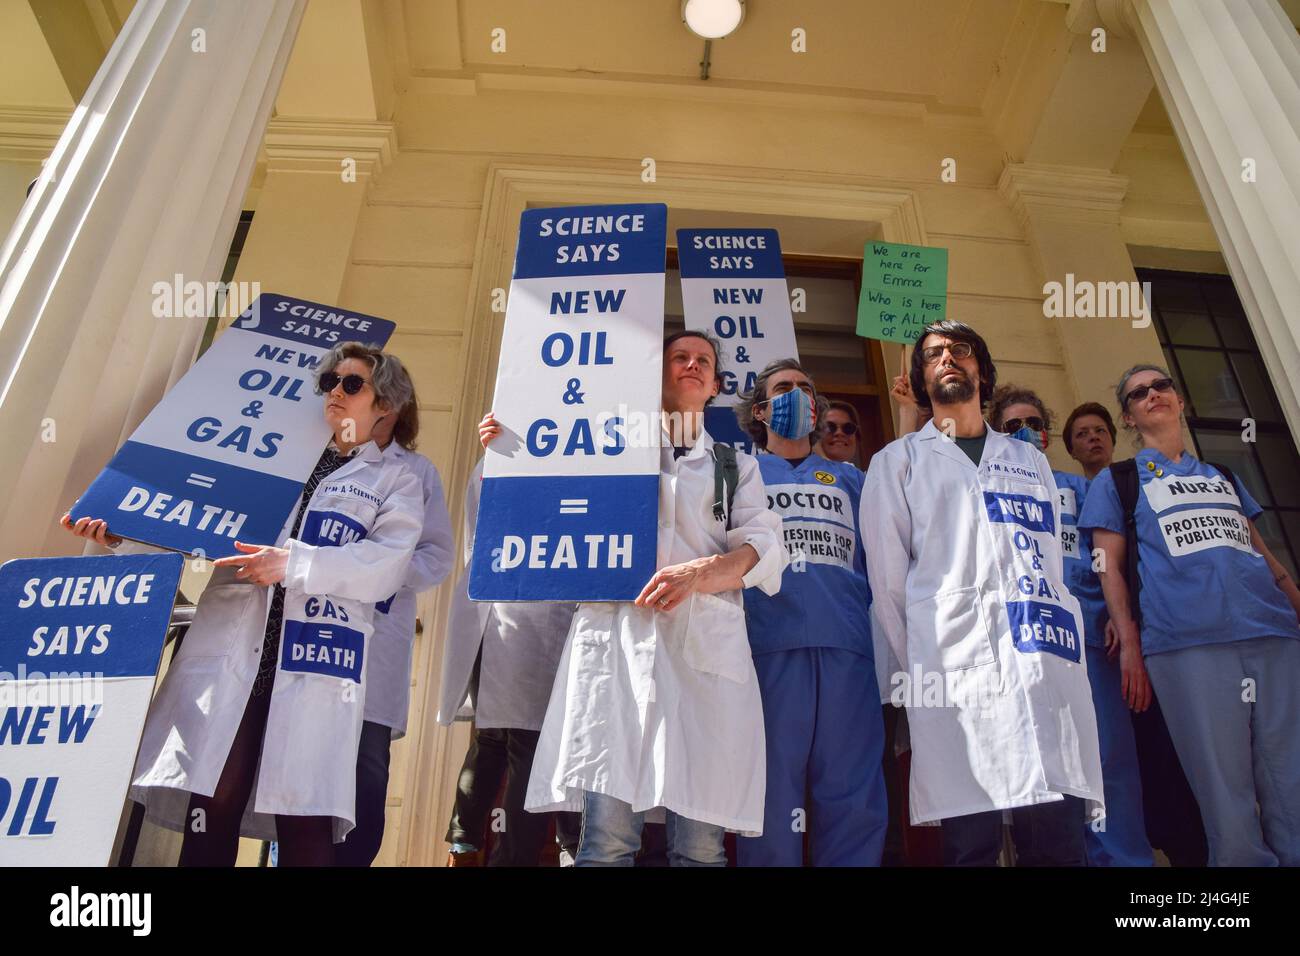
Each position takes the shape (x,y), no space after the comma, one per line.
(219,619)
(716,639)
(949,632)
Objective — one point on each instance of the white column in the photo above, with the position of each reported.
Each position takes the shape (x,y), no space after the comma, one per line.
(146,182)
(1229,75)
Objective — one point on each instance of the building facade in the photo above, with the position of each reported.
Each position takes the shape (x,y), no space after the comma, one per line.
(377,154)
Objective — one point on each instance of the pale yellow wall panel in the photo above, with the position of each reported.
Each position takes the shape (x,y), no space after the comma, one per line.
(415,234)
(411,296)
(29,74)
(1012,327)
(1156,171)
(960,210)
(432,177)
(682,130)
(992,267)
(435,437)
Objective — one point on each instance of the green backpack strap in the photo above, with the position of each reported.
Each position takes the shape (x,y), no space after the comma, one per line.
(726,475)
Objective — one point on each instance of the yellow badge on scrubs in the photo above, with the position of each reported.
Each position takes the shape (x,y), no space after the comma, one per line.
(825,477)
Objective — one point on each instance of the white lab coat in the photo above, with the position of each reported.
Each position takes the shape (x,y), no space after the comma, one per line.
(309,754)
(663,709)
(521,643)
(388,672)
(1019,727)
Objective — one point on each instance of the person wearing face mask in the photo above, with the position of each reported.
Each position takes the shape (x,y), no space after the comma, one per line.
(838,434)
(812,645)
(959,523)
(1118,839)
(1213,620)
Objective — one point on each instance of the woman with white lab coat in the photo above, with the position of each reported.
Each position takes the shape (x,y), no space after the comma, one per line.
(388,669)
(255,727)
(656,703)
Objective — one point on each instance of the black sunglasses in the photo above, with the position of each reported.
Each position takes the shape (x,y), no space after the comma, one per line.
(1142,391)
(848,428)
(330,380)
(1013,425)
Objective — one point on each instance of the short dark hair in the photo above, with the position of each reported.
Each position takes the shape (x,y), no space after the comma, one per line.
(713,344)
(958,332)
(1087,408)
(756,429)
(1004,396)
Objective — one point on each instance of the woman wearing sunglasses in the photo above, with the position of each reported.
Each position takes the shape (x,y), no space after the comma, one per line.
(1218,633)
(256,726)
(1121,839)
(839,434)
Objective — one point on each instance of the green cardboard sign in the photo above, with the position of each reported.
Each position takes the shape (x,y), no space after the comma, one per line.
(904,289)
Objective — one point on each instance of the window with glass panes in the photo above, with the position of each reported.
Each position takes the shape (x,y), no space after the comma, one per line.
(1214,359)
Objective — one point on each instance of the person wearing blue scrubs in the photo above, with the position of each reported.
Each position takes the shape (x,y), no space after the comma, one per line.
(1220,631)
(812,646)
(1119,838)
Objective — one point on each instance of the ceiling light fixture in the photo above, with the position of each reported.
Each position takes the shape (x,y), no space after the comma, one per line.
(713,19)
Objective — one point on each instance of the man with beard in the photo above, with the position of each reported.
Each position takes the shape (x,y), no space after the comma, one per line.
(960,528)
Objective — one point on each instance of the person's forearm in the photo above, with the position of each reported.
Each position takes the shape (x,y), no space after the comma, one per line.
(726,572)
(1115,590)
(1281,577)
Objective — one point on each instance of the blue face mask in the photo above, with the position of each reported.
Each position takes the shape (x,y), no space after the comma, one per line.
(792,414)
(1029,436)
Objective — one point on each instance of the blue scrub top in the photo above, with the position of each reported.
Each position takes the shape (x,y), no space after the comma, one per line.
(824,596)
(1076,546)
(1202,581)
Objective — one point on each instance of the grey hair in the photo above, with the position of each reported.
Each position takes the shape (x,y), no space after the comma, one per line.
(1123,380)
(757,395)
(388,377)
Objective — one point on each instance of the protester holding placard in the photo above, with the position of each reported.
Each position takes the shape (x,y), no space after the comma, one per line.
(640,680)
(498,666)
(960,530)
(1119,838)
(812,645)
(255,728)
(388,668)
(1214,624)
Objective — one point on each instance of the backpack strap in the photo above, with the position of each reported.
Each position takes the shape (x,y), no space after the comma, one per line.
(1227,473)
(1125,475)
(726,476)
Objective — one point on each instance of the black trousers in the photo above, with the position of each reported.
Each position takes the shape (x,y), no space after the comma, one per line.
(1045,834)
(495,754)
(361,845)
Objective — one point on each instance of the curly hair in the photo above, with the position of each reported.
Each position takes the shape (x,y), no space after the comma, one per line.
(757,395)
(1004,396)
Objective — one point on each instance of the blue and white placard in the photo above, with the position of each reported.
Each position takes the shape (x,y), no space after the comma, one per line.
(733,287)
(570,496)
(225,454)
(80,640)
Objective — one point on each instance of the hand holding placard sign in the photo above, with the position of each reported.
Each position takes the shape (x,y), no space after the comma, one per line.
(904,289)
(225,454)
(570,495)
(80,640)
